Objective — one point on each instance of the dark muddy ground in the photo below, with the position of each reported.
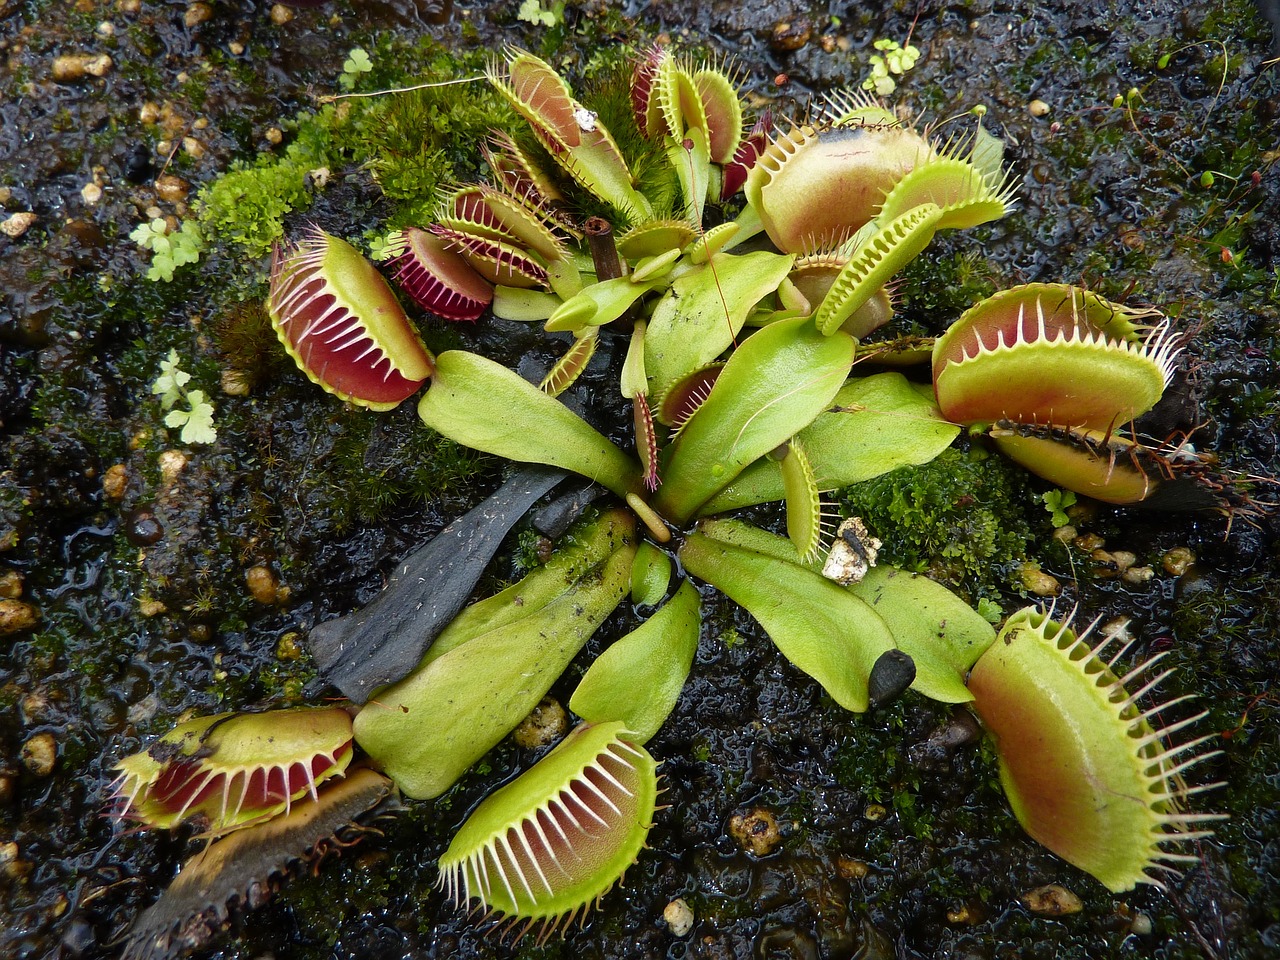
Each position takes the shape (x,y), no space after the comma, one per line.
(134,550)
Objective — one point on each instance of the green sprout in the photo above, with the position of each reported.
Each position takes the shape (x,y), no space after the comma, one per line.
(532,11)
(169,249)
(896,61)
(196,419)
(357,62)
(1056,502)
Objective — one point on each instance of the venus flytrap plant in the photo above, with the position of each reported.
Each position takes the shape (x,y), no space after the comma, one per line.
(726,416)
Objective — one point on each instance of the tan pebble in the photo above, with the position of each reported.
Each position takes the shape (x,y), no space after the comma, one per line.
(235,383)
(35,708)
(1117,629)
(192,148)
(172,463)
(875,812)
(10,585)
(274,136)
(1064,534)
(8,787)
(1089,542)
(71,67)
(1104,564)
(150,607)
(164,147)
(263,584)
(115,482)
(149,113)
(40,754)
(197,13)
(1177,561)
(280,14)
(545,724)
(130,6)
(106,29)
(679,917)
(1038,108)
(100,66)
(290,646)
(15,225)
(1124,559)
(1136,576)
(1052,900)
(16,616)
(851,869)
(236,48)
(182,77)
(6,194)
(1141,925)
(966,914)
(1036,581)
(201,123)
(91,193)
(171,189)
(12,866)
(756,831)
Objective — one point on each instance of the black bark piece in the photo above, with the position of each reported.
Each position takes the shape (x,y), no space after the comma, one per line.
(386,638)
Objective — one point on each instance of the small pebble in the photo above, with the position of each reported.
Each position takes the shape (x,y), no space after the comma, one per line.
(12,866)
(40,754)
(1105,564)
(1177,561)
(10,585)
(172,463)
(545,724)
(890,676)
(1036,581)
(197,13)
(15,225)
(1141,925)
(1123,559)
(150,607)
(106,29)
(280,14)
(1064,534)
(290,646)
(149,113)
(1052,900)
(875,812)
(192,147)
(263,584)
(91,193)
(236,48)
(235,383)
(16,616)
(679,917)
(172,189)
(1089,542)
(790,35)
(851,869)
(1137,576)
(115,482)
(73,67)
(274,136)
(756,831)
(1038,108)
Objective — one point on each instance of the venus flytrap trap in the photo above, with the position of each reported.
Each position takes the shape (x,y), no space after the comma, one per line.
(739,378)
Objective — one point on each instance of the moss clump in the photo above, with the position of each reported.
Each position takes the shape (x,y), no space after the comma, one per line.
(959,518)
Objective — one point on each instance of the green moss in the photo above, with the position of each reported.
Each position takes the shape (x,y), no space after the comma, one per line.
(961,518)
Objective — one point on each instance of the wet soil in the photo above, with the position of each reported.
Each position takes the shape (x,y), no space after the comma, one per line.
(133,548)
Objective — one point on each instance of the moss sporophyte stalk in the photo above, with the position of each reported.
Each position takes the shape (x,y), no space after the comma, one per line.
(741,270)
